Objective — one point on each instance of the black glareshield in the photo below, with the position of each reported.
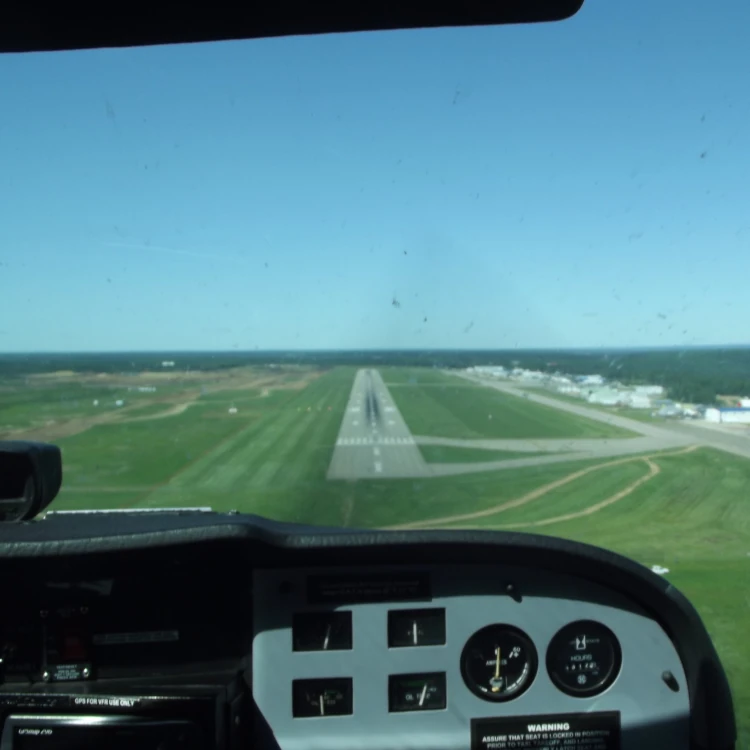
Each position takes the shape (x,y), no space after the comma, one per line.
(30,478)
(49,26)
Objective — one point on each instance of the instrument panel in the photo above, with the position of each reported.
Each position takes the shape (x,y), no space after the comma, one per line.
(451,656)
(280,637)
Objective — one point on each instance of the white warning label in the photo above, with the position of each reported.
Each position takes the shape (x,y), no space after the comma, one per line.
(591,731)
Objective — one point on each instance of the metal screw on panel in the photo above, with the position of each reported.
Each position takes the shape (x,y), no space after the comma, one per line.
(670,681)
(512,592)
(46,676)
(84,610)
(86,672)
(43,613)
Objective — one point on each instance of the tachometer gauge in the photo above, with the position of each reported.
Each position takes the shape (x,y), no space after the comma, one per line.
(499,663)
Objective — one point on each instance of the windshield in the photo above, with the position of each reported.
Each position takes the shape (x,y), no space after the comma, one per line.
(452,278)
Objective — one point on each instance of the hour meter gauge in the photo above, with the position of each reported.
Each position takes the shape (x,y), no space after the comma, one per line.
(584,658)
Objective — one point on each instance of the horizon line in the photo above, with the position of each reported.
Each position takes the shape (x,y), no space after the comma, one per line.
(258,352)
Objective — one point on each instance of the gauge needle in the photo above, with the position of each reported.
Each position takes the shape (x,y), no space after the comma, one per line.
(322,705)
(327,638)
(424,693)
(414,631)
(496,688)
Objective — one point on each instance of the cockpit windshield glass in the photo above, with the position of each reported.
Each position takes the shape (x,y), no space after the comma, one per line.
(431,279)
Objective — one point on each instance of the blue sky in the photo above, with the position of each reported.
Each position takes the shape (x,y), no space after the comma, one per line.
(576,184)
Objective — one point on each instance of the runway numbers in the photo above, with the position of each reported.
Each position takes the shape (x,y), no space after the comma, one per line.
(378,467)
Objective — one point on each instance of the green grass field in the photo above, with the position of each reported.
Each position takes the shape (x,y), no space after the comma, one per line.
(272,454)
(148,410)
(415,376)
(236,397)
(454,409)
(30,407)
(691,516)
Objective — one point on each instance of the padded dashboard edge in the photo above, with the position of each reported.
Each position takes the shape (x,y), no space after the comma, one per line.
(273,543)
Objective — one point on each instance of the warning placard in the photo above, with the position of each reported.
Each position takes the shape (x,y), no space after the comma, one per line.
(592,731)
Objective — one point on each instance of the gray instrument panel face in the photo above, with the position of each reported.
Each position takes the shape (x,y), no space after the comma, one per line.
(473,597)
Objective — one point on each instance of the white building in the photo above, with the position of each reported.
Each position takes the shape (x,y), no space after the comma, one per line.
(591,380)
(745,403)
(728,415)
(637,400)
(656,391)
(495,371)
(605,397)
(532,375)
(561,379)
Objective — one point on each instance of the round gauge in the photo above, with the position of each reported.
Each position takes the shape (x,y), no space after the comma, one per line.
(584,658)
(499,663)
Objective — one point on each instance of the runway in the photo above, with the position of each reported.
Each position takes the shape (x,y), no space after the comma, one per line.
(374,441)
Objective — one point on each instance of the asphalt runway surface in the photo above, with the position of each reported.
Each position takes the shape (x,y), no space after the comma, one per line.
(374,441)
